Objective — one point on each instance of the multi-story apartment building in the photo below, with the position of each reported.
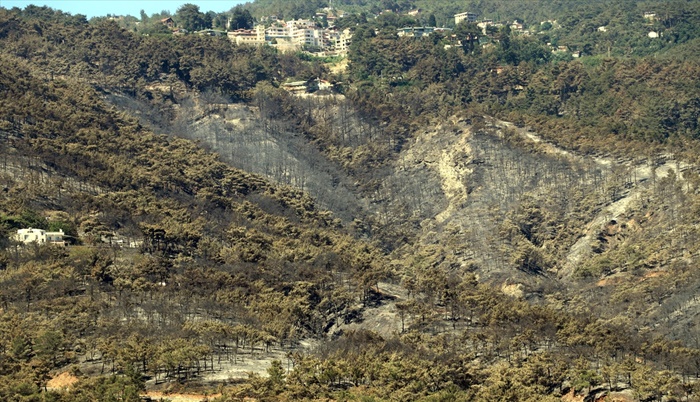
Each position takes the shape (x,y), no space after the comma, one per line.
(337,41)
(469,17)
(254,36)
(293,35)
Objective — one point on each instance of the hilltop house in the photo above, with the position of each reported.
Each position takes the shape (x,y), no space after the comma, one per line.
(168,22)
(469,17)
(40,236)
(420,32)
(415,32)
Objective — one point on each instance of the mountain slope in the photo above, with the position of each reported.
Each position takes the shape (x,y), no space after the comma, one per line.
(218,245)
(475,218)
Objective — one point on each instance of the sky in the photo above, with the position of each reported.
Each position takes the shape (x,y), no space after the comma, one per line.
(97,8)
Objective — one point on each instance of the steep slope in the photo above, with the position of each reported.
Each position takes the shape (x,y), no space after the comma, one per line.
(224,254)
(477,194)
(242,136)
(477,218)
(481,195)
(539,221)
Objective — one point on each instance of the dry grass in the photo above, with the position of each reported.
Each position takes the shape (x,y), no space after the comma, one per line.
(62,381)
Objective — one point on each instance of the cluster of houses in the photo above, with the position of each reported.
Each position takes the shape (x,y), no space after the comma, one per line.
(517,27)
(420,32)
(424,31)
(296,35)
(301,34)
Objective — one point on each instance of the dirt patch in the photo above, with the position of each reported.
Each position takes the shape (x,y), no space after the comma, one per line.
(62,381)
(247,364)
(513,290)
(610,281)
(621,278)
(180,397)
(340,67)
(383,317)
(624,396)
(572,397)
(654,274)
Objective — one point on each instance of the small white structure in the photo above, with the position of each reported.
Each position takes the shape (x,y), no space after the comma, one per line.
(653,35)
(324,85)
(296,86)
(483,24)
(40,236)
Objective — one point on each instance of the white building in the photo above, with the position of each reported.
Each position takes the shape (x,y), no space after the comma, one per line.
(517,26)
(483,24)
(415,32)
(253,37)
(39,236)
(339,41)
(309,36)
(469,17)
(284,36)
(293,35)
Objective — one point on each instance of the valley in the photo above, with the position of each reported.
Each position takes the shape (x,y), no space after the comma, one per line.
(485,212)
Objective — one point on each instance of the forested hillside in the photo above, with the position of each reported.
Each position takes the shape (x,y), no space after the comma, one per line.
(456,221)
(571,23)
(206,234)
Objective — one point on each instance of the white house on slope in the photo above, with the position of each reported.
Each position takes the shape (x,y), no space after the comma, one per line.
(40,236)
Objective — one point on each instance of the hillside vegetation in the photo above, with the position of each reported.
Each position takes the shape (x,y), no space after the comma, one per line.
(525,224)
